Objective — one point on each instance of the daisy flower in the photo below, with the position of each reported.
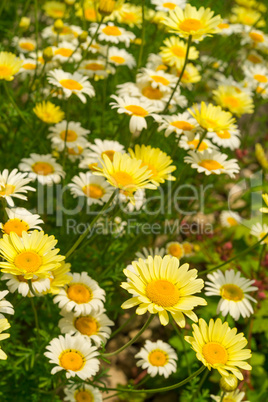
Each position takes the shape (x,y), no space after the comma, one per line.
(265,199)
(24,45)
(146,252)
(260,231)
(31,255)
(28,67)
(156,161)
(112,33)
(76,392)
(174,51)
(179,124)
(233,289)
(219,347)
(190,75)
(255,38)
(212,118)
(237,102)
(5,306)
(4,324)
(67,33)
(160,286)
(157,358)
(129,14)
(137,109)
(257,76)
(175,249)
(125,173)
(97,150)
(54,9)
(9,66)
(120,57)
(94,326)
(74,355)
(71,84)
(44,168)
(20,284)
(94,188)
(226,138)
(20,220)
(247,16)
(190,21)
(188,249)
(66,51)
(234,396)
(48,112)
(157,79)
(167,6)
(227,29)
(13,184)
(187,143)
(229,219)
(212,162)
(139,199)
(76,135)
(59,277)
(97,68)
(82,295)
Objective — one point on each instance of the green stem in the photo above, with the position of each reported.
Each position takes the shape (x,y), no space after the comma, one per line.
(202,137)
(261,257)
(143,381)
(142,35)
(35,318)
(131,340)
(14,103)
(200,385)
(122,326)
(66,134)
(223,394)
(174,325)
(181,74)
(236,256)
(86,232)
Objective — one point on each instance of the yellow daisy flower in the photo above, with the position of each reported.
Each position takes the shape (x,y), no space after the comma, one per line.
(9,65)
(190,21)
(60,277)
(236,101)
(157,162)
(32,255)
(265,199)
(174,52)
(54,9)
(212,118)
(160,285)
(219,347)
(48,112)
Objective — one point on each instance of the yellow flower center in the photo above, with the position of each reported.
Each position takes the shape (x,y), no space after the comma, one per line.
(137,110)
(194,144)
(160,80)
(182,125)
(94,66)
(117,59)
(190,24)
(123,179)
(260,78)
(72,151)
(256,37)
(70,135)
(210,164)
(79,293)
(92,166)
(152,93)
(112,31)
(208,123)
(223,25)
(87,325)
(178,51)
(84,396)
(57,12)
(93,191)
(161,67)
(90,14)
(158,358)
(254,59)
(7,189)
(229,399)
(215,353)
(27,46)
(71,84)
(231,101)
(176,250)
(29,66)
(223,134)
(187,247)
(71,360)
(154,171)
(232,292)
(232,221)
(260,90)
(15,225)
(163,293)
(29,261)
(130,17)
(64,52)
(170,6)
(43,168)
(109,153)
(5,71)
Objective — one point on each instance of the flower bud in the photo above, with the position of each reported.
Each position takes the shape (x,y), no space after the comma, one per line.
(69,2)
(260,156)
(24,23)
(106,7)
(58,25)
(48,53)
(82,38)
(229,383)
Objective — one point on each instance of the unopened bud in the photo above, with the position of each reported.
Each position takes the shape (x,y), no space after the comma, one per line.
(106,7)
(58,25)
(24,23)
(228,383)
(82,38)
(260,156)
(69,2)
(48,53)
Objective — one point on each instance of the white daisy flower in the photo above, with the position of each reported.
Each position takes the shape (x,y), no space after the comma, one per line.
(84,393)
(139,198)
(94,46)
(112,33)
(74,355)
(155,62)
(98,149)
(78,152)
(71,84)
(44,168)
(233,289)
(226,138)
(252,58)
(257,77)
(182,123)
(5,306)
(137,109)
(158,358)
(28,67)
(157,79)
(96,189)
(76,135)
(82,295)
(94,326)
(24,45)
(256,38)
(192,143)
(260,231)
(97,68)
(18,283)
(13,184)
(120,57)
(226,28)
(145,252)
(229,218)
(234,396)
(67,33)
(20,220)
(67,51)
(168,5)
(175,249)
(212,162)
(188,249)
(41,63)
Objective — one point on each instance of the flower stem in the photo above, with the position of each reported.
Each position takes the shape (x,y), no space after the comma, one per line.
(261,257)
(131,340)
(222,397)
(181,74)
(200,385)
(202,137)
(142,35)
(35,318)
(10,97)
(174,325)
(123,325)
